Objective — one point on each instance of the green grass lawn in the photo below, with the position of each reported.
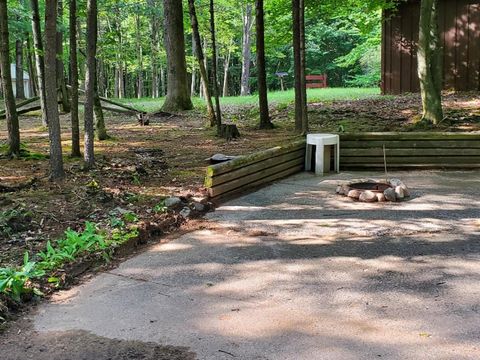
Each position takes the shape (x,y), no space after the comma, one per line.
(277,98)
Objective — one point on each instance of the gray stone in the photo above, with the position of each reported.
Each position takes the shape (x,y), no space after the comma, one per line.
(186,212)
(172,201)
(390,194)
(198,207)
(396,182)
(399,193)
(354,194)
(368,196)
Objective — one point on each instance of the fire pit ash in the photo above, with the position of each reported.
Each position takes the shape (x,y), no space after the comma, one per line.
(375,190)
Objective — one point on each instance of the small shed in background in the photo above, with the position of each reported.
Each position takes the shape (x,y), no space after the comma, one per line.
(459,23)
(26,81)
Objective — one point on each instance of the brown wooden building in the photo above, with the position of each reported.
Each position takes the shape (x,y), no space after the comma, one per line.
(459,22)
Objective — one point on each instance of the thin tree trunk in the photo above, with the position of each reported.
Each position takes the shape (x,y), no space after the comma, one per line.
(6,76)
(56,159)
(201,61)
(19,83)
(31,69)
(154,45)
(39,57)
(303,61)
(90,83)
(261,71)
(301,120)
(178,92)
(139,59)
(246,50)
(226,66)
(430,62)
(216,88)
(162,81)
(74,81)
(61,84)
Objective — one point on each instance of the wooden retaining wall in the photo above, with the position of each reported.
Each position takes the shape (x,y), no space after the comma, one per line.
(250,171)
(410,150)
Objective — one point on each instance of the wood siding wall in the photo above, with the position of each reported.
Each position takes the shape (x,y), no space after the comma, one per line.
(459,22)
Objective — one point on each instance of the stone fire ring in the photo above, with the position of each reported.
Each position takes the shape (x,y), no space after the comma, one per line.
(371,191)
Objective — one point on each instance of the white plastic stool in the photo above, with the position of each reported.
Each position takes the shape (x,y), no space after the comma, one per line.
(322,157)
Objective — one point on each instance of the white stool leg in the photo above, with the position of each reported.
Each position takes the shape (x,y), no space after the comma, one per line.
(319,157)
(308,158)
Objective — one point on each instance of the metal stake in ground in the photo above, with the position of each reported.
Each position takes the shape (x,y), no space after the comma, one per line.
(385,160)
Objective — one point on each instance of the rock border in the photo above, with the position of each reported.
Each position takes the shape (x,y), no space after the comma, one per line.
(397,191)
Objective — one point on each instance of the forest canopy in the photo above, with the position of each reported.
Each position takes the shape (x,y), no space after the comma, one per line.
(342,41)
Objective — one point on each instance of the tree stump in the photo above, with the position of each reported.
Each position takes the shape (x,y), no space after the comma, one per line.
(229,131)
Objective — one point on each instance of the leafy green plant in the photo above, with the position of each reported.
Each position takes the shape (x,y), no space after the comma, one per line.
(13,282)
(160,207)
(74,243)
(130,217)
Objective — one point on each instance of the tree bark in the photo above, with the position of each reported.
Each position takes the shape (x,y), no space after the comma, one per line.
(155,50)
(216,88)
(39,57)
(139,59)
(430,62)
(31,68)
(178,92)
(6,76)
(201,61)
(56,159)
(298,16)
(89,156)
(226,66)
(261,71)
(19,81)
(74,81)
(246,50)
(61,84)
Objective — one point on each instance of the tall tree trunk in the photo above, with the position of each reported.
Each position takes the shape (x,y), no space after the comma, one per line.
(216,88)
(19,83)
(61,84)
(74,81)
(201,61)
(39,57)
(178,92)
(155,50)
(226,66)
(56,159)
(31,69)
(139,59)
(246,50)
(298,13)
(89,156)
(98,111)
(430,62)
(163,87)
(6,76)
(303,59)
(261,70)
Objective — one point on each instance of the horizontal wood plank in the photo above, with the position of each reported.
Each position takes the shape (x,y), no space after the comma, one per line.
(411,160)
(255,177)
(254,168)
(247,160)
(408,144)
(280,175)
(396,136)
(409,152)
